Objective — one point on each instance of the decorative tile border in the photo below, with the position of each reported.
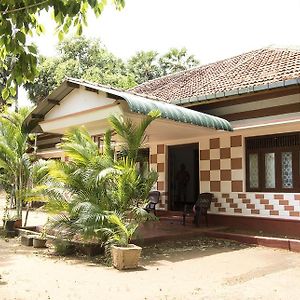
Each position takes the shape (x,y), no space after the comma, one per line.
(252,204)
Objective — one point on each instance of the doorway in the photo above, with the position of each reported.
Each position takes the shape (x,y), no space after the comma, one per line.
(183,175)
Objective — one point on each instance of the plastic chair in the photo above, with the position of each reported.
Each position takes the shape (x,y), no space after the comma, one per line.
(153,197)
(202,205)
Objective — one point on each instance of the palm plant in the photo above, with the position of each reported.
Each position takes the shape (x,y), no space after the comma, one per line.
(85,190)
(77,189)
(121,230)
(15,160)
(133,135)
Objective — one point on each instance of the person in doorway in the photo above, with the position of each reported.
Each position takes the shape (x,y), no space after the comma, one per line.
(182,179)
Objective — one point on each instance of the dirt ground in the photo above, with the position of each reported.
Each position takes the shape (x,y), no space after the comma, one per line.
(196,269)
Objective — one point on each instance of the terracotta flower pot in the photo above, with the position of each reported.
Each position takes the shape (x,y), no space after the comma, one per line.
(39,242)
(126,257)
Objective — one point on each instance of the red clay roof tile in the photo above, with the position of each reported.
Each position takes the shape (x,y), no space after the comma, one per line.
(254,68)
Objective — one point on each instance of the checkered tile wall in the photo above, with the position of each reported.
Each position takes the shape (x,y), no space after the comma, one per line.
(221,164)
(222,173)
(157,163)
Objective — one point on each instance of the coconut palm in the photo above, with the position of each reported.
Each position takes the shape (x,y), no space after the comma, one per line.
(177,60)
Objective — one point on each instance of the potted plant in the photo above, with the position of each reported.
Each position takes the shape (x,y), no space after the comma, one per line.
(124,254)
(39,241)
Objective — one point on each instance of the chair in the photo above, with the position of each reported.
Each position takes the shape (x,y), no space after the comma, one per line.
(153,197)
(202,205)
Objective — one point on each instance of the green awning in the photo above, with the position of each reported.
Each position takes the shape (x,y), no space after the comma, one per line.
(173,112)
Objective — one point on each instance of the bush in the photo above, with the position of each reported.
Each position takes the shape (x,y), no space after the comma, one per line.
(64,248)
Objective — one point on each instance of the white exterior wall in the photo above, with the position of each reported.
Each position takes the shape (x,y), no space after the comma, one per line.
(77,101)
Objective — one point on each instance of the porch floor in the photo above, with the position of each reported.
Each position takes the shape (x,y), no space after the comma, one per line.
(171,229)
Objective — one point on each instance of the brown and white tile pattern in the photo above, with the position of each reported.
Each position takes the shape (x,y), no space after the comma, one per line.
(157,163)
(221,164)
(286,206)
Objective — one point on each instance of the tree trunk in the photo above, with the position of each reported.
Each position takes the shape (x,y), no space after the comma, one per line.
(26,216)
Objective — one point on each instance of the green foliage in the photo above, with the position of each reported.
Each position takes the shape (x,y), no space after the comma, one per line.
(5,91)
(121,230)
(63,247)
(148,65)
(20,176)
(19,22)
(133,136)
(144,66)
(39,88)
(79,57)
(92,186)
(177,60)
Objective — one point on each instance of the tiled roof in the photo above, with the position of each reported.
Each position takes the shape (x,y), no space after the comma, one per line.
(255,68)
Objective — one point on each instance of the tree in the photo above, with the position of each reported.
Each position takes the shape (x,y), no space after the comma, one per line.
(176,60)
(88,59)
(45,81)
(4,74)
(148,65)
(79,57)
(144,66)
(19,21)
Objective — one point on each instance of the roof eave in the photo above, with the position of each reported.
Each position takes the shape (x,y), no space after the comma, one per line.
(136,103)
(239,91)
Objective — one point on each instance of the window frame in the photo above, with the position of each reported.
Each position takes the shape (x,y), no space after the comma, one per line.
(295,149)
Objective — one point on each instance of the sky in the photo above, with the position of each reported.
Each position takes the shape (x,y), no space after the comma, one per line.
(210,29)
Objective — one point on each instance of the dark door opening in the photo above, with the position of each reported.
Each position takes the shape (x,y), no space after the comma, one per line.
(183,175)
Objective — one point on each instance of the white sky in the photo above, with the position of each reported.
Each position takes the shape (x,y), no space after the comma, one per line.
(210,29)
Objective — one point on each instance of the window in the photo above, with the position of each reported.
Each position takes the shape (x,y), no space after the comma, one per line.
(272,163)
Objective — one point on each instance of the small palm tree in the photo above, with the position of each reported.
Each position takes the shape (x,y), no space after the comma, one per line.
(15,161)
(133,135)
(77,188)
(86,189)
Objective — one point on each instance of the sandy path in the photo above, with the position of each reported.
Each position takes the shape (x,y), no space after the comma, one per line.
(249,273)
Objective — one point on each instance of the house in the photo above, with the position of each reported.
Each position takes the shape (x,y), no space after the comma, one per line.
(233,125)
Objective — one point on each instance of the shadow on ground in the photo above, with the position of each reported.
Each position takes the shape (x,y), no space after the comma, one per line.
(154,254)
(174,251)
